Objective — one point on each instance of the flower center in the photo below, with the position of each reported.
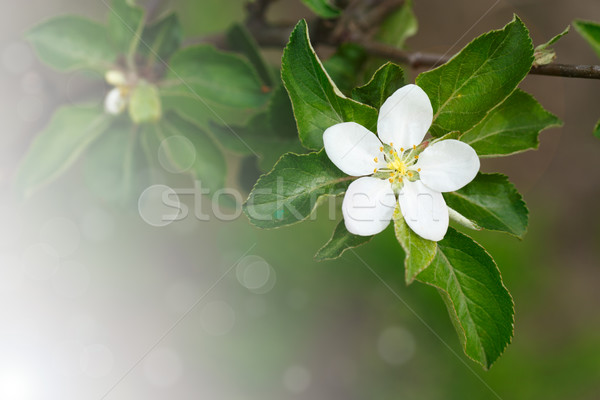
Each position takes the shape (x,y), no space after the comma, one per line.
(398,165)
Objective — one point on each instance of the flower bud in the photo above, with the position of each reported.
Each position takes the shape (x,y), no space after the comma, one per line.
(115,102)
(115,77)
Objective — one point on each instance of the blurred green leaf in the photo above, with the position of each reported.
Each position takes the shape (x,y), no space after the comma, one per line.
(291,191)
(190,149)
(144,104)
(280,115)
(203,74)
(241,41)
(125,25)
(70,42)
(481,76)
(163,37)
(340,241)
(590,31)
(345,64)
(418,252)
(323,8)
(399,26)
(544,54)
(69,133)
(493,203)
(597,130)
(318,103)
(479,305)
(511,127)
(386,80)
(113,163)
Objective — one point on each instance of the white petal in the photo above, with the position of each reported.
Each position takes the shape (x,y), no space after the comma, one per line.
(424,210)
(448,165)
(114,103)
(368,206)
(353,148)
(405,117)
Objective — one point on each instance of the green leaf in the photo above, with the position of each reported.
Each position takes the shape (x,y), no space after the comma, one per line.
(144,104)
(544,54)
(190,149)
(164,38)
(419,252)
(204,74)
(70,131)
(479,305)
(292,190)
(125,25)
(590,31)
(241,41)
(481,76)
(398,26)
(340,241)
(512,127)
(322,8)
(345,64)
(386,80)
(597,130)
(493,203)
(318,103)
(113,165)
(70,42)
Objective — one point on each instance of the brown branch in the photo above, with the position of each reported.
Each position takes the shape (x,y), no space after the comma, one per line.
(355,31)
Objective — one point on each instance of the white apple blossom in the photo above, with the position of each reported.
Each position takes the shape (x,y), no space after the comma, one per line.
(398,165)
(117,98)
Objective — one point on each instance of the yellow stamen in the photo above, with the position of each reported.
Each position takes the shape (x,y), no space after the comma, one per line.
(418,169)
(416,157)
(414,147)
(381,148)
(391,173)
(391,180)
(402,149)
(376,159)
(375,170)
(391,144)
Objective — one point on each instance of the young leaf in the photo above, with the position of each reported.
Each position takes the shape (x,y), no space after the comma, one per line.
(544,54)
(241,41)
(190,149)
(322,8)
(340,241)
(386,80)
(493,203)
(345,64)
(291,191)
(512,127)
(125,25)
(482,75)
(113,163)
(318,103)
(70,42)
(144,105)
(202,73)
(479,305)
(419,252)
(59,145)
(163,38)
(399,26)
(590,31)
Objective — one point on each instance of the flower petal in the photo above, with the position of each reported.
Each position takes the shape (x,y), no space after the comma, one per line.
(114,103)
(405,117)
(353,148)
(424,210)
(368,206)
(448,165)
